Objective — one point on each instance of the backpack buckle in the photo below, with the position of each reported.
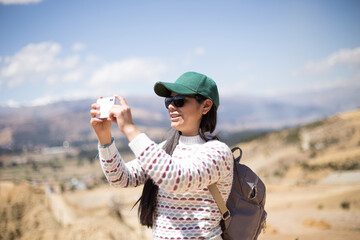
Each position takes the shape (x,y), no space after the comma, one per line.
(226,215)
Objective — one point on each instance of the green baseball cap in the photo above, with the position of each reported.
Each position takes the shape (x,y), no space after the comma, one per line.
(190,83)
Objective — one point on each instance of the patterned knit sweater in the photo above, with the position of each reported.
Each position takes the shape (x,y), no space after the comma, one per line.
(185,208)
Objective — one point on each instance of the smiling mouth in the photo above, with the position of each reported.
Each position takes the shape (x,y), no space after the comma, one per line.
(174,116)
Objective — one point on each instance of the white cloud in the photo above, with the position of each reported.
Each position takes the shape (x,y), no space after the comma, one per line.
(191,55)
(11,103)
(132,69)
(36,62)
(349,57)
(236,87)
(43,101)
(8,2)
(77,47)
(50,74)
(199,51)
(69,62)
(52,79)
(74,76)
(91,59)
(32,59)
(75,94)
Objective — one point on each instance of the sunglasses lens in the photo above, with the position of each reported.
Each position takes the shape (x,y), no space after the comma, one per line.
(168,101)
(178,101)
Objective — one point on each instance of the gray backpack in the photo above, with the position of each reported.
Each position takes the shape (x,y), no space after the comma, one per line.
(244,215)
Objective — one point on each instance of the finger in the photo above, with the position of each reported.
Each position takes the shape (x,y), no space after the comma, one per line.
(121,100)
(114,110)
(112,119)
(95,106)
(94,112)
(112,114)
(95,120)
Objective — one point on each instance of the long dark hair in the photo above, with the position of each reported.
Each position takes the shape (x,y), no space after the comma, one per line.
(148,200)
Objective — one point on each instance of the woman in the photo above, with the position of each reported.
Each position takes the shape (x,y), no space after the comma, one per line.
(175,201)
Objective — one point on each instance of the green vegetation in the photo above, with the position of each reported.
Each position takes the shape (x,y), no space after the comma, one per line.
(345,205)
(282,168)
(347,165)
(315,124)
(89,155)
(313,154)
(58,167)
(232,138)
(7,151)
(293,137)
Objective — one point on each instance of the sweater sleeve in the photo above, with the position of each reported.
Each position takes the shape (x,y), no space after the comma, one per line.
(117,172)
(211,162)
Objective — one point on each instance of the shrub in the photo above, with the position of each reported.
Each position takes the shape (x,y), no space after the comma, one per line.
(345,205)
(293,136)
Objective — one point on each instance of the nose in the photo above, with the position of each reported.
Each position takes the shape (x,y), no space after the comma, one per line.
(171,107)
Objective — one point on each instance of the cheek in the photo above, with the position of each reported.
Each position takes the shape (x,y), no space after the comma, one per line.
(195,116)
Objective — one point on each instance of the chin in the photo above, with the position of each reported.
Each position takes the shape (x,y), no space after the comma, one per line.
(176,127)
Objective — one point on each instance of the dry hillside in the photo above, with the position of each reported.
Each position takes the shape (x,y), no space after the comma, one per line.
(104,213)
(307,154)
(312,175)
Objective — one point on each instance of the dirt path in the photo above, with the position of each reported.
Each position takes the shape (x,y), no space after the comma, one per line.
(61,210)
(313,212)
(104,212)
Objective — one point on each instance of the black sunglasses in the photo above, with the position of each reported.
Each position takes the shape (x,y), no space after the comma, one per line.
(178,100)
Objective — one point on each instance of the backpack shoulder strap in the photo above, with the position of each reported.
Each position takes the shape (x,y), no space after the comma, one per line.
(216,193)
(219,201)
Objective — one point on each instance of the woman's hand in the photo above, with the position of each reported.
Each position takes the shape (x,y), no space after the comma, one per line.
(121,115)
(102,127)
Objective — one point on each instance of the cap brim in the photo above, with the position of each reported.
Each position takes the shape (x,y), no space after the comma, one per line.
(164,89)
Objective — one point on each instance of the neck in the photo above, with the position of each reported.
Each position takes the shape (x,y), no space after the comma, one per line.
(190,140)
(192,133)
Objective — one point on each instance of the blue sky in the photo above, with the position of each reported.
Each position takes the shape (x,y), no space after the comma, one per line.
(52,49)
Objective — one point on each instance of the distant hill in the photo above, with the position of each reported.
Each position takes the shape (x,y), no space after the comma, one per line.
(52,124)
(311,153)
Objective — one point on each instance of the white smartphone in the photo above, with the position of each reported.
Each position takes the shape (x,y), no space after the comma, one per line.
(105,106)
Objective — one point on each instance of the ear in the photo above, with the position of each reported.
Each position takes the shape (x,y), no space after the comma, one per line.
(206,106)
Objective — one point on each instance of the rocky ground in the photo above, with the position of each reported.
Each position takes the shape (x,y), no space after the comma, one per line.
(312,176)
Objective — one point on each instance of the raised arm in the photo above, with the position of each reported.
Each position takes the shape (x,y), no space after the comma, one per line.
(211,162)
(117,172)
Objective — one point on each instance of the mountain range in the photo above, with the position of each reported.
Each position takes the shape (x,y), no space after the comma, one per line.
(53,124)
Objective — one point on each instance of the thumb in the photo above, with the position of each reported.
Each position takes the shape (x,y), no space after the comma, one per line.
(121,100)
